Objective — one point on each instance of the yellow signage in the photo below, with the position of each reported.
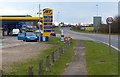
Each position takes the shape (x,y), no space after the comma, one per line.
(47,21)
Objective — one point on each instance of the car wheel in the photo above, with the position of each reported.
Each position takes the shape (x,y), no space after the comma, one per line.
(25,40)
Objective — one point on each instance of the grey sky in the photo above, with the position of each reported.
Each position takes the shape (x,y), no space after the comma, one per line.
(71,12)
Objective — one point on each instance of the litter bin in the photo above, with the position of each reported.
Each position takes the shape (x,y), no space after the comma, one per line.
(45,38)
(62,38)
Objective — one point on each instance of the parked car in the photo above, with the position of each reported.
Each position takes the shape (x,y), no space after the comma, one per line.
(15,32)
(30,36)
(53,33)
(21,36)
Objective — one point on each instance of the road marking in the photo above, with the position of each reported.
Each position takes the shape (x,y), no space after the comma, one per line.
(112,46)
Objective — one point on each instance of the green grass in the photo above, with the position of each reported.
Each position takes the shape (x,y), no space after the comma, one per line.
(57,69)
(22,69)
(97,52)
(57,30)
(93,32)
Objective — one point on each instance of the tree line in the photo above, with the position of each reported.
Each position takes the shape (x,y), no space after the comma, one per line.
(115,26)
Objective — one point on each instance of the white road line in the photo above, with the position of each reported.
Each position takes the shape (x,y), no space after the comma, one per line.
(112,46)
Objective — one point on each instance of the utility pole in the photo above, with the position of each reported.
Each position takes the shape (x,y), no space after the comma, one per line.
(39,22)
(97,16)
(97,9)
(58,19)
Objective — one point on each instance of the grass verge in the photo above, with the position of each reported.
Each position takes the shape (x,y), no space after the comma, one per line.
(57,30)
(93,32)
(22,68)
(99,60)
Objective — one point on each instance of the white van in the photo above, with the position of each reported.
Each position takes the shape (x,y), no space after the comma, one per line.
(15,31)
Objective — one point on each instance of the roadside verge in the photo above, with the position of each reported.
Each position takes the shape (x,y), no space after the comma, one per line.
(100,61)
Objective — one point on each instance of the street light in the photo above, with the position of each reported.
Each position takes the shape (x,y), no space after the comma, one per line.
(97,15)
(97,9)
(39,21)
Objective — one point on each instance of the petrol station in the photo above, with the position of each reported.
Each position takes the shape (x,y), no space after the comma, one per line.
(10,22)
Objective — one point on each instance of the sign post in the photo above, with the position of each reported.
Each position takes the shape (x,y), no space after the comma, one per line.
(39,21)
(47,22)
(109,21)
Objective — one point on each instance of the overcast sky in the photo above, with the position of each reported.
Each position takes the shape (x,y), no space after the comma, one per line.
(71,12)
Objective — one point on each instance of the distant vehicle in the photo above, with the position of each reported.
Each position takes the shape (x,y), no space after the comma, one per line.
(30,36)
(15,32)
(38,31)
(53,33)
(21,36)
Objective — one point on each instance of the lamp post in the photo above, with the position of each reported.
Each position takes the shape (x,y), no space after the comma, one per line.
(39,21)
(58,19)
(97,9)
(97,15)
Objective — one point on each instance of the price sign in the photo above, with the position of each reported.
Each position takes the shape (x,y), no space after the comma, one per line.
(47,21)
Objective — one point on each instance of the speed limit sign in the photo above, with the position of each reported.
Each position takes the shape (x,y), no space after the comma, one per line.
(109,20)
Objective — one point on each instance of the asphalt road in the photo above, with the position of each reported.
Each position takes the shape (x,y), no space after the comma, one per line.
(95,37)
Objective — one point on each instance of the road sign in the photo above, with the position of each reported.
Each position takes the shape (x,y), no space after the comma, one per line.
(47,21)
(109,20)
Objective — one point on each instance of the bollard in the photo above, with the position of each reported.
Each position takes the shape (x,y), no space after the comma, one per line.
(30,71)
(40,72)
(47,64)
(52,58)
(62,49)
(1,72)
(58,54)
(54,55)
(59,51)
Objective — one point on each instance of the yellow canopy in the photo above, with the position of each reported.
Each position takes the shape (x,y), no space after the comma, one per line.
(20,18)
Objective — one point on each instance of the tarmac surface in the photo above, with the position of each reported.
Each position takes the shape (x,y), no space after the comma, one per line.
(103,38)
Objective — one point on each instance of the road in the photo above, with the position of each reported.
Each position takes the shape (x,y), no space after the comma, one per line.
(95,37)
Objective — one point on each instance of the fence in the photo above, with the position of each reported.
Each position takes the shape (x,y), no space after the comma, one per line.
(50,60)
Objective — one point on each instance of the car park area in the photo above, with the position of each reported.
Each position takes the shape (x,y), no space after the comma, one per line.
(14,50)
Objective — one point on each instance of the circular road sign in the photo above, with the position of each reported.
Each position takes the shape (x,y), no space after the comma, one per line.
(109,20)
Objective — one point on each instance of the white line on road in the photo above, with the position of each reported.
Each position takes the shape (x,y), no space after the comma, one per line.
(112,46)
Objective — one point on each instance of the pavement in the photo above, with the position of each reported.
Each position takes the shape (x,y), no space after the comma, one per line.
(78,64)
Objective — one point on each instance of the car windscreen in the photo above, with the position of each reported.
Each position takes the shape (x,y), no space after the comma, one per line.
(30,34)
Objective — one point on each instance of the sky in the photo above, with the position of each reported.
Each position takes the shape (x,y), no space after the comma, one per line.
(69,12)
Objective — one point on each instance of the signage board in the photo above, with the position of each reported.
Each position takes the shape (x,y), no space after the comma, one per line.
(47,21)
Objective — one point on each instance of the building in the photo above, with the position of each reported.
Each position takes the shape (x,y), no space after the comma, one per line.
(97,20)
(119,8)
(9,22)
